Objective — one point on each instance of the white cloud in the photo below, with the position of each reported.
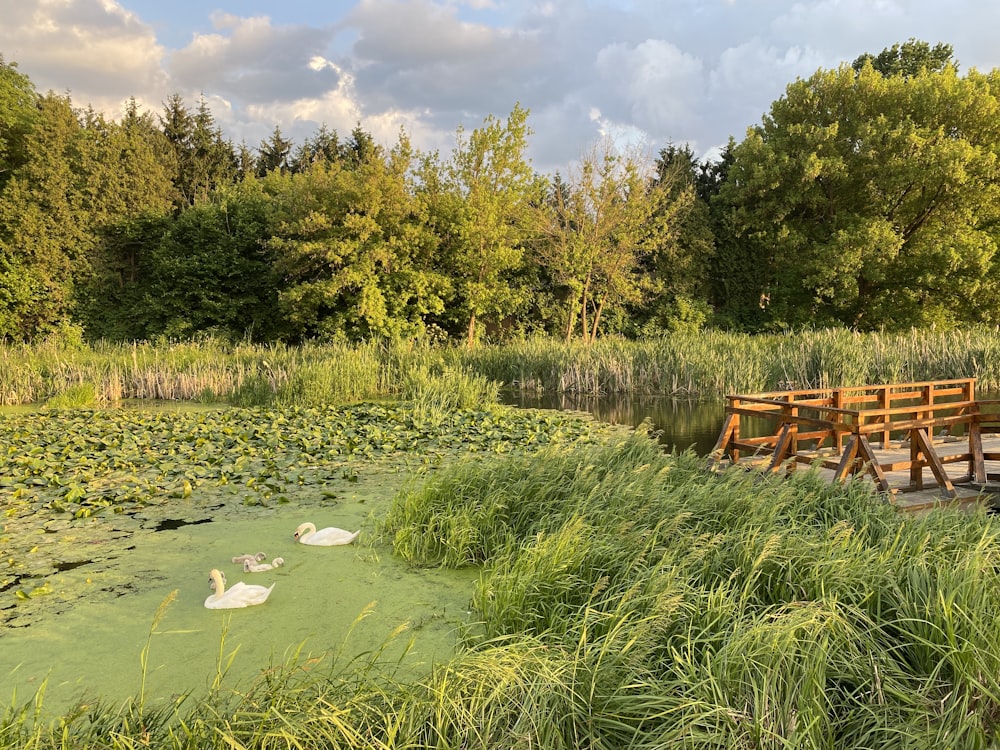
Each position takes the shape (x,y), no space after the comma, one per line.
(692,71)
(661,86)
(95,49)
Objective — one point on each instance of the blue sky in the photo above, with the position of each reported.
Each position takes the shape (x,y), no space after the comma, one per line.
(648,72)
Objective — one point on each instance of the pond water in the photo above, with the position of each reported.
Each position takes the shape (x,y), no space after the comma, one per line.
(91,648)
(680,424)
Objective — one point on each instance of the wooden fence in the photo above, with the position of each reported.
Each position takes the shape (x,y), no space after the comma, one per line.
(838,428)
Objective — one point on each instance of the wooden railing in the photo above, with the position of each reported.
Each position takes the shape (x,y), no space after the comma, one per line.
(837,427)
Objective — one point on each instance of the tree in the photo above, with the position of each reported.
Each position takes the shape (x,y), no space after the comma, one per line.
(871,200)
(204,160)
(323,146)
(354,248)
(274,154)
(490,188)
(678,267)
(45,237)
(210,270)
(597,230)
(18,112)
(911,58)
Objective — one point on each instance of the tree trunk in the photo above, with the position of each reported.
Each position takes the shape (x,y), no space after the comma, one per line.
(597,320)
(471,342)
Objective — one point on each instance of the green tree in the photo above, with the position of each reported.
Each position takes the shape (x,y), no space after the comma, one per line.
(677,270)
(274,154)
(324,145)
(490,188)
(209,270)
(911,58)
(870,200)
(18,112)
(45,234)
(354,248)
(204,159)
(597,230)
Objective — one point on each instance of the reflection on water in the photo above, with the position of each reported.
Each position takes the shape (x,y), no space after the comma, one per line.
(680,423)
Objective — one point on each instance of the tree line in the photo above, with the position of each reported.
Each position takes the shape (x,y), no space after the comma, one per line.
(867,197)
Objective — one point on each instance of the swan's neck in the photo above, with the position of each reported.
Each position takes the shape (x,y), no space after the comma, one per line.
(220,585)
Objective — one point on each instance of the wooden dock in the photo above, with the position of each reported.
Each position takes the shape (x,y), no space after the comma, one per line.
(920,443)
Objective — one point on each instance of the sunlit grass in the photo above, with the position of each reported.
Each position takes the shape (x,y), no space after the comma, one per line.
(708,364)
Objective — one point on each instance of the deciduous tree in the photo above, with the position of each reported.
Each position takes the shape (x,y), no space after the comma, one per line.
(871,200)
(492,186)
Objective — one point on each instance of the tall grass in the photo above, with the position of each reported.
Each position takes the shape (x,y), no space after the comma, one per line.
(707,364)
(727,611)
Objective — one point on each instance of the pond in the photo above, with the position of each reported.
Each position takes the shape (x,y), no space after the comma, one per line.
(111,516)
(679,423)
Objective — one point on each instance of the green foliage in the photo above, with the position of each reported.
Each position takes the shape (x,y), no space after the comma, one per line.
(489,186)
(353,248)
(911,58)
(596,230)
(702,364)
(722,611)
(80,396)
(869,200)
(448,390)
(866,198)
(18,110)
(203,161)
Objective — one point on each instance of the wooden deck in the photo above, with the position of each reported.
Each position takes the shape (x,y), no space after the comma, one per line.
(920,443)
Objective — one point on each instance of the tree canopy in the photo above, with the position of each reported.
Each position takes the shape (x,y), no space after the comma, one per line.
(871,200)
(866,197)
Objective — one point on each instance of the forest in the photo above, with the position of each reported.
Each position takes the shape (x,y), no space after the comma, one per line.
(868,197)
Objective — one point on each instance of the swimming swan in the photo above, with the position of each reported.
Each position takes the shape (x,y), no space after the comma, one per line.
(240,559)
(306,533)
(249,566)
(239,595)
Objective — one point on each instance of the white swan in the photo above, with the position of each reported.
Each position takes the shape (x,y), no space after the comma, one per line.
(249,566)
(239,595)
(240,559)
(306,534)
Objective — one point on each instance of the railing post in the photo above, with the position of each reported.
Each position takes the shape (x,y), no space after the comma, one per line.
(884,403)
(736,431)
(838,403)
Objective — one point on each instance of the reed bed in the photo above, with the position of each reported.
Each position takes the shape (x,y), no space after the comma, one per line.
(705,365)
(726,611)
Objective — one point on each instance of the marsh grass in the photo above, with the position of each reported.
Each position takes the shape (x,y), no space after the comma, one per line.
(725,611)
(707,364)
(81,396)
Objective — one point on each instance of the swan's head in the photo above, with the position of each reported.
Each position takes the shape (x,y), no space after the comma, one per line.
(259,556)
(277,562)
(246,565)
(302,529)
(216,580)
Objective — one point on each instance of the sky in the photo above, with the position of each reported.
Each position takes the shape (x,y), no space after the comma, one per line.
(645,73)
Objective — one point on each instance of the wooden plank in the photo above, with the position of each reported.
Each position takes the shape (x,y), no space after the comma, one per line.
(927,448)
(728,430)
(846,465)
(977,463)
(916,465)
(782,449)
(866,452)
